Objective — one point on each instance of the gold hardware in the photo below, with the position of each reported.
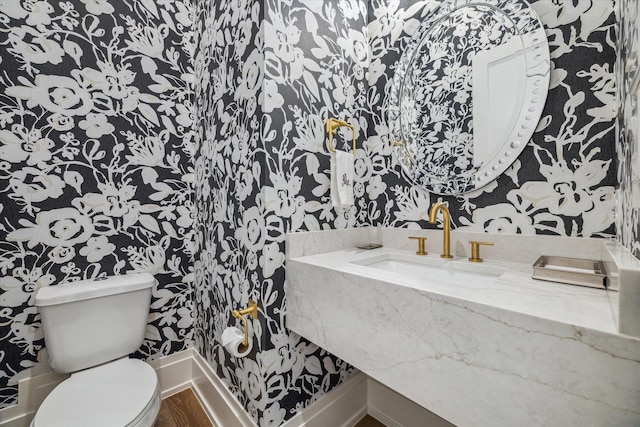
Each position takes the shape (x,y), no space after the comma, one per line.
(475,250)
(239,314)
(446,219)
(420,240)
(332,128)
(397,144)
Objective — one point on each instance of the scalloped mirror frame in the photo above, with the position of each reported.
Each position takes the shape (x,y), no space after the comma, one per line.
(536,84)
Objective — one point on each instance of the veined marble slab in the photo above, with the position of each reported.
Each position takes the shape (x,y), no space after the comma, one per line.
(517,353)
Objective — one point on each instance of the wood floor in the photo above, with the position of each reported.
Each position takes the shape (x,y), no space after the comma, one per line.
(369,421)
(184,410)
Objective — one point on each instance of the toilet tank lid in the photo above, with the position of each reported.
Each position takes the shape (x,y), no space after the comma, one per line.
(93,288)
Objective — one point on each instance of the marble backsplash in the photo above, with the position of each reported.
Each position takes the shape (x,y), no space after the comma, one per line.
(514,248)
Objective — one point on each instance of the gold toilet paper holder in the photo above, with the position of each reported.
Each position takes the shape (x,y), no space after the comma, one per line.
(252,310)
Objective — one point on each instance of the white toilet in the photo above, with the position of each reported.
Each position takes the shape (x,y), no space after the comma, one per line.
(90,327)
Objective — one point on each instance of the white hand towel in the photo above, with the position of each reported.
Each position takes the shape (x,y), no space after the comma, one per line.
(342,179)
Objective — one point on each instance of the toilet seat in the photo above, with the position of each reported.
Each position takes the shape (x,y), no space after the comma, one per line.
(123,393)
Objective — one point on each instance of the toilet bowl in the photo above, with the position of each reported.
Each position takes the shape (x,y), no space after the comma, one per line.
(90,328)
(120,393)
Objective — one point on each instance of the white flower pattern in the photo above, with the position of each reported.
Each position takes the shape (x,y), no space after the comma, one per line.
(93,170)
(119,110)
(264,171)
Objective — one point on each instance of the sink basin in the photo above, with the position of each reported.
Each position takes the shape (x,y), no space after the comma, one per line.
(407,264)
(432,267)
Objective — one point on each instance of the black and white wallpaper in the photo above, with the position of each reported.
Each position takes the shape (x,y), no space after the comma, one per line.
(563,183)
(96,163)
(269,73)
(144,135)
(251,57)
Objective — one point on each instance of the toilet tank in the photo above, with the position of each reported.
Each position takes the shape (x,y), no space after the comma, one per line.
(90,322)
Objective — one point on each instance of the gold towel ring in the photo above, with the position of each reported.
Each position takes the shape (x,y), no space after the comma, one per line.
(332,128)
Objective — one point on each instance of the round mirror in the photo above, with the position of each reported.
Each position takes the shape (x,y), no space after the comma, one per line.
(468,93)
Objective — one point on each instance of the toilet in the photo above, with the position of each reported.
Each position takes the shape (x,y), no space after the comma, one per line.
(90,328)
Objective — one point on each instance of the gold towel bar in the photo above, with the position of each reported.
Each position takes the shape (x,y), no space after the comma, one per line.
(332,127)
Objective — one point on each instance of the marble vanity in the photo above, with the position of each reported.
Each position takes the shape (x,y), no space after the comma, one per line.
(482,344)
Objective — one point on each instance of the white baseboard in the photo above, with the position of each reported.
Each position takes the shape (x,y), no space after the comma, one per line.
(187,369)
(176,372)
(395,410)
(31,393)
(221,405)
(343,406)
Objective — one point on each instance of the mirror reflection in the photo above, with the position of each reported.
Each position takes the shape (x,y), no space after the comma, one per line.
(468,93)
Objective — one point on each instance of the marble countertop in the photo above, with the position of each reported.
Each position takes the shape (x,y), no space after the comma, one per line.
(514,290)
(500,350)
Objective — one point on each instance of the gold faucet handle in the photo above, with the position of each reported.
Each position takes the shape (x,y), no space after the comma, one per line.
(475,250)
(421,241)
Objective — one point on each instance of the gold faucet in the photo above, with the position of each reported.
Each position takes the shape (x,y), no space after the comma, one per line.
(447,226)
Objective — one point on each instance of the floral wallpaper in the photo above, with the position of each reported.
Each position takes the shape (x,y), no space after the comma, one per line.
(96,163)
(563,183)
(144,135)
(249,59)
(268,75)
